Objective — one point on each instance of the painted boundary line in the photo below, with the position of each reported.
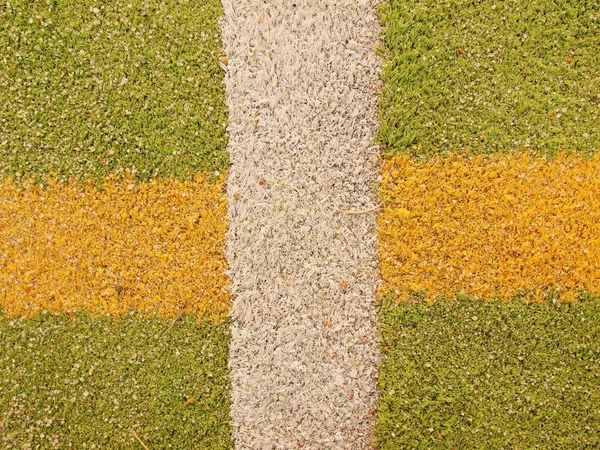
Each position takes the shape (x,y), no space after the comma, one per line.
(500,226)
(150,247)
(301,81)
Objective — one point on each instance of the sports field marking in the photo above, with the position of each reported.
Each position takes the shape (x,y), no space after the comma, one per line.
(301,81)
(150,247)
(491,227)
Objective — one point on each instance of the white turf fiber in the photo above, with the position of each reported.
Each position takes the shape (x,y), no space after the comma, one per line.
(301,85)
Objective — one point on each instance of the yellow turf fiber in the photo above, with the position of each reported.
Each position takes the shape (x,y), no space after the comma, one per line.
(496,226)
(152,248)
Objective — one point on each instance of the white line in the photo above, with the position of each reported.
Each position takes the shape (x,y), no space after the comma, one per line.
(301,80)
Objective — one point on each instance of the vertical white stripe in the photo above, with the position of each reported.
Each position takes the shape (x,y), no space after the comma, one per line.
(301,81)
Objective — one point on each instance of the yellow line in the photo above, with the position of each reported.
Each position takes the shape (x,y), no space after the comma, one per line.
(153,248)
(491,227)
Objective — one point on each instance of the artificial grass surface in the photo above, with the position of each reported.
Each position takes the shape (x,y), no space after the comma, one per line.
(88,89)
(476,76)
(464,374)
(74,382)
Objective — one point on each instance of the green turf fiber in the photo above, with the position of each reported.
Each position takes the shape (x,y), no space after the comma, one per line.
(74,382)
(468,375)
(89,88)
(486,76)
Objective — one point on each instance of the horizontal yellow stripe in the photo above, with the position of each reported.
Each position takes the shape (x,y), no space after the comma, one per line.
(153,248)
(490,227)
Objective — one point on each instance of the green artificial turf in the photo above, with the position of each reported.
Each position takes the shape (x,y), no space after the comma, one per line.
(89,88)
(74,382)
(486,76)
(468,375)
